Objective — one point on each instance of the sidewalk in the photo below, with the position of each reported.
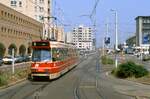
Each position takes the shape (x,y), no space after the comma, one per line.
(132,88)
(135,89)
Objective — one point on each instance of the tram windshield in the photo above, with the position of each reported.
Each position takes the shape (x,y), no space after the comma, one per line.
(41,55)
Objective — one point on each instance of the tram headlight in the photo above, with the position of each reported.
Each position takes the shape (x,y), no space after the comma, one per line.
(36,65)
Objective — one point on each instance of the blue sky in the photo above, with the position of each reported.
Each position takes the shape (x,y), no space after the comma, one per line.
(128,10)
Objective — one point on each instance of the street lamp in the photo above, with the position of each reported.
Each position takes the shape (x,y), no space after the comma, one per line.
(116,36)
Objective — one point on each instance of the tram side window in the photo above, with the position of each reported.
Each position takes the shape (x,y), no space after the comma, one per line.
(63,53)
(61,50)
(58,54)
(69,50)
(73,52)
(54,54)
(66,52)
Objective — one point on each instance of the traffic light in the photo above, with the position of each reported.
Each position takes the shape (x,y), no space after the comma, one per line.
(107,40)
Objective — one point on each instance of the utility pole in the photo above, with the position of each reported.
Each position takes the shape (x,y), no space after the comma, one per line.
(116,37)
(106,35)
(107,27)
(103,47)
(116,29)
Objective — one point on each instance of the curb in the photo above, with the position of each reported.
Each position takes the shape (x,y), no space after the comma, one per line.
(145,83)
(109,74)
(12,84)
(136,97)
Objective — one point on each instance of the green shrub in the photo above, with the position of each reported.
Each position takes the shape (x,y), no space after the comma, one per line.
(3,80)
(130,69)
(106,60)
(140,71)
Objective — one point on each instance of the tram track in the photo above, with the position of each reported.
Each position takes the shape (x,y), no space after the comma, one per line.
(83,82)
(26,90)
(81,85)
(36,93)
(31,88)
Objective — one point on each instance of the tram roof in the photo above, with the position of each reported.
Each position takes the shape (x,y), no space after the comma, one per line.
(57,44)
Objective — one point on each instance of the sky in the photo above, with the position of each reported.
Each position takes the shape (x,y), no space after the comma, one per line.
(72,13)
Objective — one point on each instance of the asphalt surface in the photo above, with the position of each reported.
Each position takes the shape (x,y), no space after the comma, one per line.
(88,80)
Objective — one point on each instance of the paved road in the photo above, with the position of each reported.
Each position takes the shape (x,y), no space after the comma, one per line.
(87,81)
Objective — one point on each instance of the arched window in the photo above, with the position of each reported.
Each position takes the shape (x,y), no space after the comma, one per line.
(11,47)
(22,50)
(2,50)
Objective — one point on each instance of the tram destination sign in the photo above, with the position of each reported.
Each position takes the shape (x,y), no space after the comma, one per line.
(40,43)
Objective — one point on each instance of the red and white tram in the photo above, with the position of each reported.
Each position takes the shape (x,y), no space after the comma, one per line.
(52,59)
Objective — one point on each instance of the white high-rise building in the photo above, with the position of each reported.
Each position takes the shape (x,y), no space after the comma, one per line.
(36,9)
(69,37)
(83,38)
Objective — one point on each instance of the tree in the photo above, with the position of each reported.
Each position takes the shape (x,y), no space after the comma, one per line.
(131,41)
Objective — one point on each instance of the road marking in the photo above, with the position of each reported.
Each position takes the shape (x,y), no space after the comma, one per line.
(87,87)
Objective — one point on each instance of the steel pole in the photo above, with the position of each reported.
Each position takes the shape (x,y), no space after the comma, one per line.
(13,61)
(116,38)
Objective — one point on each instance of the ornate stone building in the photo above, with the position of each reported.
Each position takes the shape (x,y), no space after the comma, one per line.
(17,31)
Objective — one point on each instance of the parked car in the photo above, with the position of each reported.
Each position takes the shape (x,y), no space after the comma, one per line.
(26,58)
(19,59)
(129,51)
(1,61)
(8,60)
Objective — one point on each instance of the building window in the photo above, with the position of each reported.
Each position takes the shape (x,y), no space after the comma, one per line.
(5,14)
(35,1)
(8,14)
(2,29)
(36,17)
(41,1)
(40,17)
(13,3)
(2,12)
(35,8)
(41,9)
(48,1)
(20,3)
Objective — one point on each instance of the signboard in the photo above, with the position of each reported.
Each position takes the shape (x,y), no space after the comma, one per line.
(146,38)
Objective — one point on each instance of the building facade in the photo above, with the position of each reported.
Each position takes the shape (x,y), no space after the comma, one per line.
(69,37)
(143,31)
(83,38)
(39,10)
(17,31)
